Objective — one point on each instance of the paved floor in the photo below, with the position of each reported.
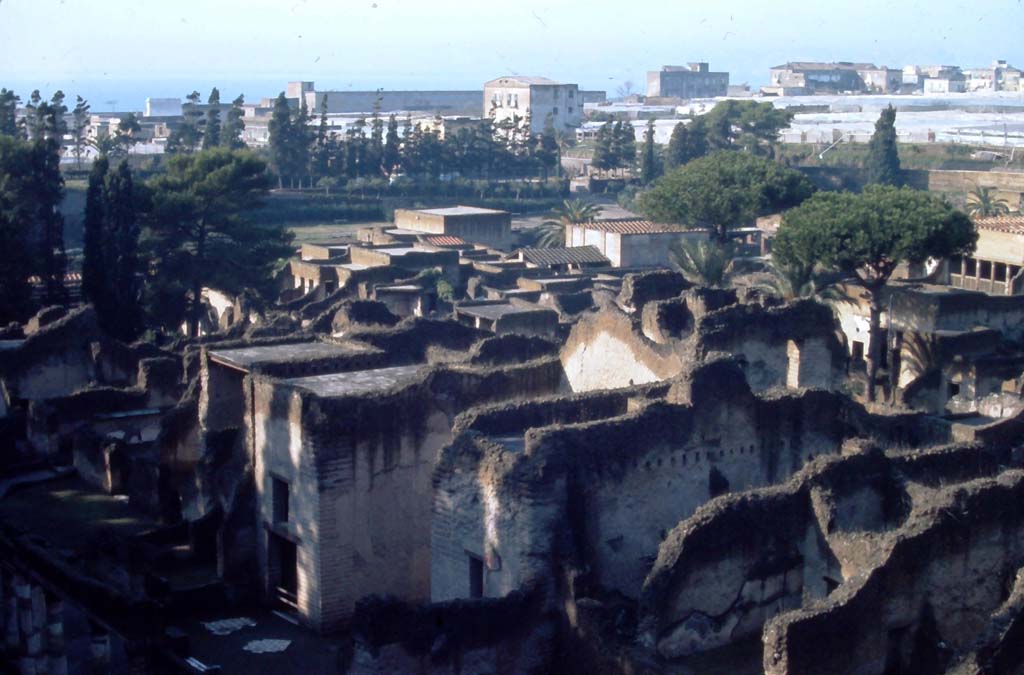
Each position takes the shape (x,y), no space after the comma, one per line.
(307,653)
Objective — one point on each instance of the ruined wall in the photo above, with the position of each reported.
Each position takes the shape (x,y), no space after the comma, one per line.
(55,361)
(935,584)
(605,351)
(794,345)
(585,483)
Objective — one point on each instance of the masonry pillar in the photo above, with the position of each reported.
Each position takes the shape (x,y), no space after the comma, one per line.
(39,627)
(12,636)
(31,640)
(57,658)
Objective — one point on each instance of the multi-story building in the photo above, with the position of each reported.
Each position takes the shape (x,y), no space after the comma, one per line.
(694,80)
(1000,76)
(512,98)
(804,77)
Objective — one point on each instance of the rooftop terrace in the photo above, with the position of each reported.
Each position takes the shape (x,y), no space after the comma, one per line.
(247,358)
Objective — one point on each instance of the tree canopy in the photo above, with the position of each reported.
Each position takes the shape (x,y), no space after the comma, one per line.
(199,234)
(723,191)
(868,235)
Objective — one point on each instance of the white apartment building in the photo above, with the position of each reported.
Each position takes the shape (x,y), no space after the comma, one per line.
(533,98)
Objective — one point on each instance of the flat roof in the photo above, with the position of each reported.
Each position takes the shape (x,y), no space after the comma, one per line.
(358,382)
(495,311)
(248,357)
(460,211)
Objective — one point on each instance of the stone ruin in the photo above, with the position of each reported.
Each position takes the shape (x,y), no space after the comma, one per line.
(663,479)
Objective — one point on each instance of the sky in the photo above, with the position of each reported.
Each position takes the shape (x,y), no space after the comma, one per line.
(118,53)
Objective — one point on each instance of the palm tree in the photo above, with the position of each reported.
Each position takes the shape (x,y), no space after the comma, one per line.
(706,263)
(788,282)
(551,233)
(982,203)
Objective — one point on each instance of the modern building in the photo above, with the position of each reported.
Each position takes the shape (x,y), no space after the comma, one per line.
(440,102)
(691,81)
(481,226)
(162,107)
(533,100)
(631,243)
(808,77)
(1000,76)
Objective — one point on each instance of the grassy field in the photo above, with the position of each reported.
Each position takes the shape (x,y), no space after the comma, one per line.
(326,233)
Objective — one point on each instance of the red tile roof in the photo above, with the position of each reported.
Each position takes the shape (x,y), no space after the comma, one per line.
(1013,224)
(628,226)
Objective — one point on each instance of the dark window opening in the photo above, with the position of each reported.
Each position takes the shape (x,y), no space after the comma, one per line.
(858,350)
(954,389)
(476,577)
(279,496)
(1000,272)
(970,267)
(984,269)
(956,265)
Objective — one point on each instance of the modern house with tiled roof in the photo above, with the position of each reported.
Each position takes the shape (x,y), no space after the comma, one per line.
(997,265)
(631,242)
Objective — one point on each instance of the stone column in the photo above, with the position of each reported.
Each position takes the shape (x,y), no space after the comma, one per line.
(57,658)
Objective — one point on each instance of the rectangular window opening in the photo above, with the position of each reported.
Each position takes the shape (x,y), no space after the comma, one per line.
(476,576)
(279,497)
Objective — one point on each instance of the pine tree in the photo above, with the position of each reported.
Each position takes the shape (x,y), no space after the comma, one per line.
(128,130)
(17,220)
(95,263)
(883,161)
(80,125)
(651,167)
(234,126)
(211,130)
(392,151)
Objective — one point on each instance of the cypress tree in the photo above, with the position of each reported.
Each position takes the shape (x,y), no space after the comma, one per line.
(95,264)
(603,151)
(627,146)
(125,320)
(883,161)
(8,114)
(651,167)
(234,125)
(281,133)
(688,142)
(211,130)
(392,152)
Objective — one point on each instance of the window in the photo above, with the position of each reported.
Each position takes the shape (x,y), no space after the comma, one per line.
(984,269)
(970,267)
(857,351)
(1000,272)
(954,389)
(279,497)
(554,111)
(956,265)
(476,576)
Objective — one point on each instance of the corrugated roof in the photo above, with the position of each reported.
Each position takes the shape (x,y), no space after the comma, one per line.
(564,256)
(628,226)
(1012,224)
(444,240)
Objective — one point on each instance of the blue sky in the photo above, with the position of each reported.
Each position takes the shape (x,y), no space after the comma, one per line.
(160,47)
